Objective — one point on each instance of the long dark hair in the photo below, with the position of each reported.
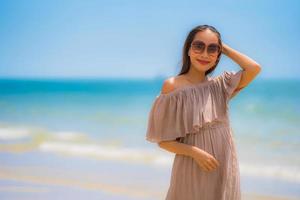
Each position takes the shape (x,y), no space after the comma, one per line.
(186,62)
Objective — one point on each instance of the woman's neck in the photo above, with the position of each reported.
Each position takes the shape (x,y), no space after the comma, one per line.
(195,76)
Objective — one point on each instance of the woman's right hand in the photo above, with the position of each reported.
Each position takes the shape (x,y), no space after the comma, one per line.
(205,160)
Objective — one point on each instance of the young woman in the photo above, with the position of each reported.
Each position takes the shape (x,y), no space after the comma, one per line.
(190,118)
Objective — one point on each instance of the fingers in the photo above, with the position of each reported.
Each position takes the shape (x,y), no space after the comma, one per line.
(217,164)
(207,167)
(211,164)
(207,162)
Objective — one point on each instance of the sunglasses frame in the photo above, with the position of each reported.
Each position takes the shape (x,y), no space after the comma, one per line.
(205,48)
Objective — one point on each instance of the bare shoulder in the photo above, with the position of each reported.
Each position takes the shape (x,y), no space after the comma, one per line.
(172,83)
(168,85)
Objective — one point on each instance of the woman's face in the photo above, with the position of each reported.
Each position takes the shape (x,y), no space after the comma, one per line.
(208,37)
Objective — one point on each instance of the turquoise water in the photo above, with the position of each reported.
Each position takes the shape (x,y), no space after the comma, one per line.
(104,121)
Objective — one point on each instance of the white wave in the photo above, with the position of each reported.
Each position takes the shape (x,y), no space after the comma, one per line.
(66,142)
(13,133)
(68,136)
(108,152)
(287,173)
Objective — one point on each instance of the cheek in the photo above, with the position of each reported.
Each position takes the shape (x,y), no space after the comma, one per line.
(212,63)
(214,60)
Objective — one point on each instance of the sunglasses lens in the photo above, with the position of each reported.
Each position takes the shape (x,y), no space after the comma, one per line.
(198,46)
(213,48)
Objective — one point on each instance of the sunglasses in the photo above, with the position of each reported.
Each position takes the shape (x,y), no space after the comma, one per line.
(199,47)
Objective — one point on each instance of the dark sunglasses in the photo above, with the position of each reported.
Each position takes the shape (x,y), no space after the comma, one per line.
(199,47)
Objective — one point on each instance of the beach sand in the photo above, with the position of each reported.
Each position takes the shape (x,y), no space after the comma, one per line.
(263,197)
(50,182)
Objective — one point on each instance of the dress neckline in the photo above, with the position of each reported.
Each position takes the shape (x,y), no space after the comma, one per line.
(187,87)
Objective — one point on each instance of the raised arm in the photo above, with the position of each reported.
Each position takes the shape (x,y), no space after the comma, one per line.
(250,68)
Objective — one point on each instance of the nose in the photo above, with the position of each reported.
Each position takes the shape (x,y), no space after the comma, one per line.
(204,53)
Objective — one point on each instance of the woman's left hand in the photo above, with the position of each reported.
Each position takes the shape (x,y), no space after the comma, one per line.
(224,50)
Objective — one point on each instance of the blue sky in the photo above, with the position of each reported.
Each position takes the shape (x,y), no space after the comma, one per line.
(141,39)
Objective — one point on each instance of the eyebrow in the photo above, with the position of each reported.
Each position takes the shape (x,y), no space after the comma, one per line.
(205,43)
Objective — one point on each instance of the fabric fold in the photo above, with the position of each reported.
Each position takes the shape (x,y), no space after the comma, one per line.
(176,114)
(230,81)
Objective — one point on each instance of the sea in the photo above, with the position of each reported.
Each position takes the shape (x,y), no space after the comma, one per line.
(85,138)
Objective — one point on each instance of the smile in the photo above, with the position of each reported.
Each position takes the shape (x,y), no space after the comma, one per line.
(203,62)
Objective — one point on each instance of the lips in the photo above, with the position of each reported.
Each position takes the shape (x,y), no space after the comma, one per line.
(203,62)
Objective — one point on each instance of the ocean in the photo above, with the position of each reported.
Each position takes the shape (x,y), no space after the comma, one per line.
(73,138)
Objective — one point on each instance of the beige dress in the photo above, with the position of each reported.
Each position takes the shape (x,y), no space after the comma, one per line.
(198,115)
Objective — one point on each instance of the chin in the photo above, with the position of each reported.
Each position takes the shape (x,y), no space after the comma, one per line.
(202,68)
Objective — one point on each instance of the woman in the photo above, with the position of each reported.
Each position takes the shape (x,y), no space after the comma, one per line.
(190,118)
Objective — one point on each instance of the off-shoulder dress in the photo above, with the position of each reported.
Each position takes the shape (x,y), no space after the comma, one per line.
(198,115)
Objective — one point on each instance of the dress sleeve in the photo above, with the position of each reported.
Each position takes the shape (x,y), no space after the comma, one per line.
(182,112)
(230,81)
(163,119)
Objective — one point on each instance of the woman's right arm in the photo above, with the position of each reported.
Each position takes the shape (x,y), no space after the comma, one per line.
(205,160)
(178,147)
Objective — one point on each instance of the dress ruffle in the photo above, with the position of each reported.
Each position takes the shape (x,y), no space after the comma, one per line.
(189,108)
(230,81)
